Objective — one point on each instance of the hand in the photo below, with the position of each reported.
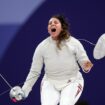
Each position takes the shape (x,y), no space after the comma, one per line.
(87,66)
(17,94)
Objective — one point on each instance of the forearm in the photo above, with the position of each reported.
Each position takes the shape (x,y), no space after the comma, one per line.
(30,81)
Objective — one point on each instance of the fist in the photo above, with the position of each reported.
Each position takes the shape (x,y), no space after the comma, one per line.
(17,94)
(87,66)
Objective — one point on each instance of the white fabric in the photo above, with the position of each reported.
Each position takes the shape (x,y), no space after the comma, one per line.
(68,94)
(17,93)
(99,50)
(59,64)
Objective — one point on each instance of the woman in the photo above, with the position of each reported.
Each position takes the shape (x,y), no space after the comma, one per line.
(60,53)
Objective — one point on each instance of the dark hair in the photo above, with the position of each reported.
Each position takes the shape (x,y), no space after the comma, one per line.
(65,34)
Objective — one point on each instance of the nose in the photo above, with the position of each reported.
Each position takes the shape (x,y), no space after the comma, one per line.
(53,23)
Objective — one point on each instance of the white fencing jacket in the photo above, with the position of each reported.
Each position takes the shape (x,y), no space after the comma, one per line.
(59,64)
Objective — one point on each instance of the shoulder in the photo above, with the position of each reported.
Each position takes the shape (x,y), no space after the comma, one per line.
(73,40)
(44,42)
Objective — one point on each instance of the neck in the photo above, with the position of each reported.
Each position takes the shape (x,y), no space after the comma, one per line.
(55,38)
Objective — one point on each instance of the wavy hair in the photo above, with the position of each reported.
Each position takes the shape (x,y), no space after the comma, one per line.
(64,34)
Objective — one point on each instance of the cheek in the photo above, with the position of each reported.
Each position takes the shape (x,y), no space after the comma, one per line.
(60,28)
(48,29)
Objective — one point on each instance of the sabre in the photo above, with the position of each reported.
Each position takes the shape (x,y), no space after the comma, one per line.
(6,81)
(11,87)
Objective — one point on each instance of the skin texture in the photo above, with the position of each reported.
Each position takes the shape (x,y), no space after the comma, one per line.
(87,66)
(54,23)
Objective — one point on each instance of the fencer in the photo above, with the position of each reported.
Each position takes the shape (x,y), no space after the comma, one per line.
(98,53)
(61,54)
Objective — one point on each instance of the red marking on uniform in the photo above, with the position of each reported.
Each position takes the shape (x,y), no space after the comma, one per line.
(79,89)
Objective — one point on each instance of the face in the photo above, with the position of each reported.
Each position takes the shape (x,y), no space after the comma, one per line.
(54,27)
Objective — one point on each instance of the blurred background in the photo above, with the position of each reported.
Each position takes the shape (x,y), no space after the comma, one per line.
(23,25)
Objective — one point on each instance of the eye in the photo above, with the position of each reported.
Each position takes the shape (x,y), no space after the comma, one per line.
(49,23)
(56,22)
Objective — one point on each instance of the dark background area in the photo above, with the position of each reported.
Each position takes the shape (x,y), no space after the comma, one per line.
(87,19)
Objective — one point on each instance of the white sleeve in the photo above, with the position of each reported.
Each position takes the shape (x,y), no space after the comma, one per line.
(81,54)
(35,71)
(99,49)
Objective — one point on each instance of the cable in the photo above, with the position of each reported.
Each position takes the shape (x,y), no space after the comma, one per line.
(87,41)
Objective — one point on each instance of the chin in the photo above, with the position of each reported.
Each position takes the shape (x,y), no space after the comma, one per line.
(54,37)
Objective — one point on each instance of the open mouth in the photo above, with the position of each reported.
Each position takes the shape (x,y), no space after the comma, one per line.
(53,30)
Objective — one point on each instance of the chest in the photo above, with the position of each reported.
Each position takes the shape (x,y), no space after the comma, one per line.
(55,54)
